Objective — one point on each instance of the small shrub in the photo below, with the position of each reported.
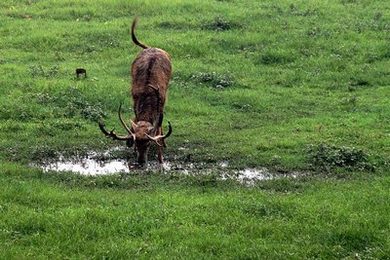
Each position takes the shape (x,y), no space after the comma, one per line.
(220,24)
(43,152)
(53,71)
(75,102)
(43,98)
(103,40)
(37,71)
(71,102)
(66,124)
(268,209)
(213,79)
(40,71)
(174,25)
(242,107)
(358,82)
(350,103)
(296,11)
(92,112)
(330,157)
(318,32)
(274,59)
(345,2)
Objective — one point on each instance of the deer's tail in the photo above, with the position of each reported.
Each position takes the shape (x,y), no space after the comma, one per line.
(135,40)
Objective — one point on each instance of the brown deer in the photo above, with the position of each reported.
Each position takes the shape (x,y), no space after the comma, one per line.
(150,72)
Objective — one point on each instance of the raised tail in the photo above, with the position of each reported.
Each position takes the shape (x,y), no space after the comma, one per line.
(135,40)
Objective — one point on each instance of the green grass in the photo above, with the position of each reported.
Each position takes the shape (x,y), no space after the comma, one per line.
(288,85)
(264,80)
(157,216)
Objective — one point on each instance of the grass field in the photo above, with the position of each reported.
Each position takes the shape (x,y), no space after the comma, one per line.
(287,85)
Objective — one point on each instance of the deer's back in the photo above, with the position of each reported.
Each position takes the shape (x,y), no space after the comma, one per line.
(151,67)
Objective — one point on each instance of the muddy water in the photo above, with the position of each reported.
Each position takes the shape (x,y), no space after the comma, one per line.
(92,165)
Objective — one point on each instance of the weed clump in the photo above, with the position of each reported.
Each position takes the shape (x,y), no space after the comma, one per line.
(71,102)
(329,157)
(273,58)
(358,82)
(76,103)
(40,71)
(43,152)
(213,79)
(296,11)
(173,25)
(220,24)
(268,209)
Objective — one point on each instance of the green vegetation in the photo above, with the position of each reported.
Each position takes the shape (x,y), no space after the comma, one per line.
(167,216)
(257,81)
(288,85)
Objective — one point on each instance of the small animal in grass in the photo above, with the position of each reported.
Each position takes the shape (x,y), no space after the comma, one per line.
(81,72)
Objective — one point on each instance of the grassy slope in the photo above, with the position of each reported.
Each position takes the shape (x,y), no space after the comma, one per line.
(296,74)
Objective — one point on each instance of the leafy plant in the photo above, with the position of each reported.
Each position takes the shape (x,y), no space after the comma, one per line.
(72,102)
(220,24)
(329,157)
(214,79)
(40,71)
(273,58)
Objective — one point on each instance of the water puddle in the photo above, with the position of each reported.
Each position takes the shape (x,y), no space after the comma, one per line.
(101,164)
(87,166)
(255,175)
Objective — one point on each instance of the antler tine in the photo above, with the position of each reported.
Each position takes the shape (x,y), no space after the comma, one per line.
(112,134)
(123,122)
(157,138)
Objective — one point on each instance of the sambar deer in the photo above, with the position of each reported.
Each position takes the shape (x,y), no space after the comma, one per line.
(150,72)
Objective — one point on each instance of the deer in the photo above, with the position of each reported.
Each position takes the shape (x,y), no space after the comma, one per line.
(150,72)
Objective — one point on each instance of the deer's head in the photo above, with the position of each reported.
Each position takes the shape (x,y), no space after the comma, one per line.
(141,134)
